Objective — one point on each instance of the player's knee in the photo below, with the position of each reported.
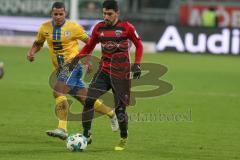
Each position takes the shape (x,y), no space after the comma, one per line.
(89,102)
(56,94)
(61,103)
(121,113)
(120,109)
(60,99)
(81,95)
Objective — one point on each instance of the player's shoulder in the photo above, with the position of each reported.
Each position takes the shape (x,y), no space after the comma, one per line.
(127,24)
(99,24)
(46,24)
(72,23)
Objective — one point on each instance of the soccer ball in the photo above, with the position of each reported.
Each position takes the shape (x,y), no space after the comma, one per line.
(1,70)
(76,142)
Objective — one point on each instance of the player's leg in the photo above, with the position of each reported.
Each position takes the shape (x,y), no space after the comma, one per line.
(121,91)
(80,91)
(99,85)
(62,105)
(60,88)
(99,107)
(61,109)
(123,124)
(65,83)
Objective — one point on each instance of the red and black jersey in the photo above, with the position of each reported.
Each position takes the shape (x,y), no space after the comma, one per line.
(115,44)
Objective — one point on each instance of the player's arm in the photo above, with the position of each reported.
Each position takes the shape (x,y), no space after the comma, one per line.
(85,40)
(86,50)
(80,33)
(37,45)
(90,44)
(84,37)
(87,63)
(134,37)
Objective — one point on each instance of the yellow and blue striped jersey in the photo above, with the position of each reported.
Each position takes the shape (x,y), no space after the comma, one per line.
(62,40)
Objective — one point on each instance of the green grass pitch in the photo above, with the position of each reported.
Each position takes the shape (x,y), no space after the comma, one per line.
(206,88)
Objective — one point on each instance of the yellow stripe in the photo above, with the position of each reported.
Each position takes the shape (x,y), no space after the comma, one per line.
(97,103)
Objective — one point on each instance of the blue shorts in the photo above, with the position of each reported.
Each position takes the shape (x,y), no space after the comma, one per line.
(72,79)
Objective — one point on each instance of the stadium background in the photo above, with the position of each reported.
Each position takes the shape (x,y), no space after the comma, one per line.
(198,119)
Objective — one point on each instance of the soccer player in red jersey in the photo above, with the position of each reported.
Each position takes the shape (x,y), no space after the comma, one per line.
(114,70)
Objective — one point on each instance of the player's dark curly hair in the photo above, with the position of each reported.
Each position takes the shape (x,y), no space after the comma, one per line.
(111,4)
(58,5)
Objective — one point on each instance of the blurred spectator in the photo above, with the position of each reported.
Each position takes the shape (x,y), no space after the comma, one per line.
(90,9)
(91,6)
(209,17)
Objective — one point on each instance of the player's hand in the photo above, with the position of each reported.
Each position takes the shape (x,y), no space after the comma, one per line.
(73,63)
(30,57)
(89,67)
(136,69)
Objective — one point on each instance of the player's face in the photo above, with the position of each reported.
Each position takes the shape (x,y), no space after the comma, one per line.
(110,16)
(58,15)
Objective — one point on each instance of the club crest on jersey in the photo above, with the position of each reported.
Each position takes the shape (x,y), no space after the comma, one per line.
(118,33)
(67,33)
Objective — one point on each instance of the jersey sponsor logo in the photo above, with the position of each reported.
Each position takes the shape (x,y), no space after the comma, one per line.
(111,46)
(124,45)
(118,33)
(67,33)
(57,46)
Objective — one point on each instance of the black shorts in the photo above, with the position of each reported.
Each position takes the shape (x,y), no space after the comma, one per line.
(103,82)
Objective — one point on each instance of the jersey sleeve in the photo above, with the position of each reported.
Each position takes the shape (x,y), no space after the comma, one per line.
(81,34)
(91,43)
(40,38)
(135,38)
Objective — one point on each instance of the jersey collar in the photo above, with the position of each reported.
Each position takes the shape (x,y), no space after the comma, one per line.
(117,22)
(55,26)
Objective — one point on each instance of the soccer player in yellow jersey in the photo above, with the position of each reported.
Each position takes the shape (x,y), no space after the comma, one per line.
(62,38)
